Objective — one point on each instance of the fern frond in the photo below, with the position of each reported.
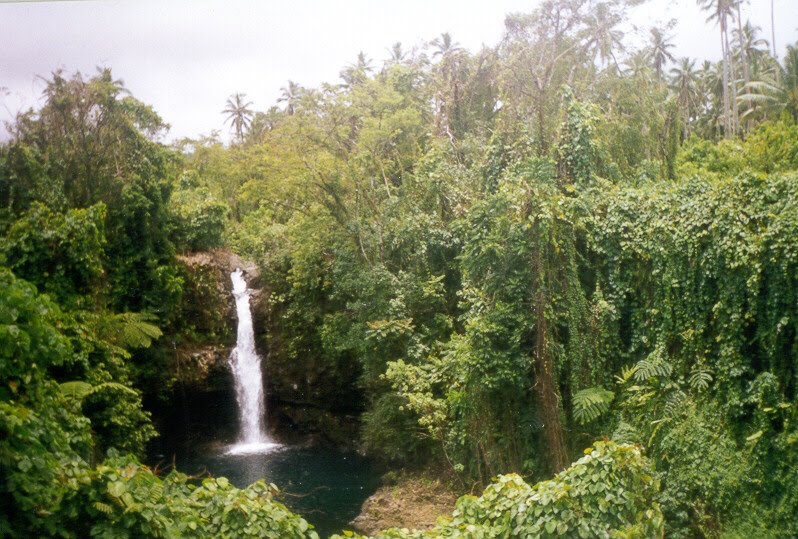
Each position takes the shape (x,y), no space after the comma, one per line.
(114,386)
(104,508)
(700,379)
(674,404)
(654,365)
(591,403)
(156,492)
(626,374)
(131,330)
(79,390)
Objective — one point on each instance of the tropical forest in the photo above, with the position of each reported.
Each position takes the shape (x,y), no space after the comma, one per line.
(548,287)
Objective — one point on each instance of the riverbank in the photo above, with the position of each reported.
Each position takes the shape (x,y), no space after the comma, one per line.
(410,501)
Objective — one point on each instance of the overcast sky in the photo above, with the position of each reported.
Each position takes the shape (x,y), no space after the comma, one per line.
(186,57)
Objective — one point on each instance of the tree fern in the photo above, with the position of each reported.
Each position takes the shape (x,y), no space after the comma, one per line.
(79,390)
(130,330)
(76,390)
(591,403)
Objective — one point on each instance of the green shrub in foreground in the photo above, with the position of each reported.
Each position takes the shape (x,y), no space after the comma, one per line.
(123,498)
(609,492)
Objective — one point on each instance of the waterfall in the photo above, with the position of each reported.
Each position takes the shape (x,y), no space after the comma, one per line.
(248,377)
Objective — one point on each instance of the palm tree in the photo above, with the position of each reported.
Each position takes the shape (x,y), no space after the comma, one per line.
(238,114)
(710,83)
(445,45)
(290,95)
(602,37)
(356,73)
(447,80)
(659,51)
(684,81)
(721,11)
(775,91)
(739,32)
(750,49)
(750,46)
(636,64)
(791,68)
(710,77)
(262,123)
(397,55)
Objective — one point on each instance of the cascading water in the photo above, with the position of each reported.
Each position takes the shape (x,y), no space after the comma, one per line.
(248,378)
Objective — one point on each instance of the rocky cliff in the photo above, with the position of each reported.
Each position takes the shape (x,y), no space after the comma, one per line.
(303,400)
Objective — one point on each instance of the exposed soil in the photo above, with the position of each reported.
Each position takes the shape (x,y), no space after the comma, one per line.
(414,502)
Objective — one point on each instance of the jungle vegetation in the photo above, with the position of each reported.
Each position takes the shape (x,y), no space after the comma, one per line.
(505,256)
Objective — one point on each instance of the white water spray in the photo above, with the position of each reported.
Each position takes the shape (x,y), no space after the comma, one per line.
(248,378)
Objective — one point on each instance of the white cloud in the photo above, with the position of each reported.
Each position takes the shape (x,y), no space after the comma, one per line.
(186,57)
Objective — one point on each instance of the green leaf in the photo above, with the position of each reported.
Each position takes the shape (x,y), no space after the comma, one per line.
(590,404)
(117,488)
(80,390)
(130,330)
(76,390)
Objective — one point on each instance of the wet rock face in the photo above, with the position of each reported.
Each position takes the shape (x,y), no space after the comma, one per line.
(202,367)
(207,321)
(309,400)
(301,379)
(209,284)
(225,262)
(209,317)
(315,426)
(308,382)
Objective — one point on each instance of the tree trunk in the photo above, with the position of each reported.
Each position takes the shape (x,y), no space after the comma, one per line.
(726,108)
(546,390)
(545,381)
(733,82)
(773,30)
(542,142)
(744,58)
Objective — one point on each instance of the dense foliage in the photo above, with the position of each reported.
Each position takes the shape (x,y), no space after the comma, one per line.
(493,258)
(47,447)
(608,493)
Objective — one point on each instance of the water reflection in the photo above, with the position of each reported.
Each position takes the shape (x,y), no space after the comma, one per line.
(326,487)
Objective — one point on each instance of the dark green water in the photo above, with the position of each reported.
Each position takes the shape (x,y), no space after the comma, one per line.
(325,486)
